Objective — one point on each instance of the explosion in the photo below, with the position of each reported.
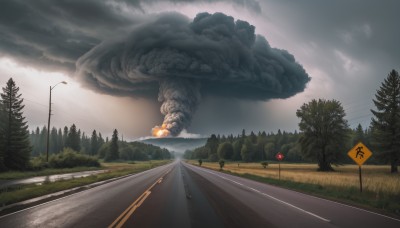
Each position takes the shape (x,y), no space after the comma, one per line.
(183,60)
(160,132)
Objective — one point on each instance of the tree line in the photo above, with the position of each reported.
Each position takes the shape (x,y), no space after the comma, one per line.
(324,137)
(95,145)
(264,146)
(17,144)
(66,137)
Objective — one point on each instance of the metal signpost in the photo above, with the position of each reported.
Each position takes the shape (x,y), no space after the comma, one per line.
(360,153)
(279,156)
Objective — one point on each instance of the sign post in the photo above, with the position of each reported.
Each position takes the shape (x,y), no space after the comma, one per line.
(279,156)
(359,153)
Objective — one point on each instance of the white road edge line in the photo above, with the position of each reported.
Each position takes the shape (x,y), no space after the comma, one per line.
(16,212)
(265,194)
(360,209)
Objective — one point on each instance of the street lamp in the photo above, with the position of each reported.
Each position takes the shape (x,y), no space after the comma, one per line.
(48,123)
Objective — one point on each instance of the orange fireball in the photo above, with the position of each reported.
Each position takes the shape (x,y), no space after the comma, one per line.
(160,132)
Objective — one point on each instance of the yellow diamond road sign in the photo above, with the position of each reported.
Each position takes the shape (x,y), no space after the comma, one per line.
(360,153)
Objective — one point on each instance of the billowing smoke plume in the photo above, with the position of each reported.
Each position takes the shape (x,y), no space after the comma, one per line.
(183,61)
(179,101)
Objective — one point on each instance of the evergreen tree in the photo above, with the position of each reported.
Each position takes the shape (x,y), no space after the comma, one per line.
(212,144)
(261,141)
(386,121)
(60,143)
(225,150)
(42,140)
(15,134)
(85,144)
(65,137)
(100,142)
(358,135)
(53,141)
(73,139)
(36,142)
(247,151)
(253,137)
(93,143)
(113,152)
(237,149)
(325,132)
(2,136)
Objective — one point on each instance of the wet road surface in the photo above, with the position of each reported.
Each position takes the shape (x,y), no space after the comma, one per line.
(183,195)
(51,178)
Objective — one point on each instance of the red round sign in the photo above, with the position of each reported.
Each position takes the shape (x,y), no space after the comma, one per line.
(279,156)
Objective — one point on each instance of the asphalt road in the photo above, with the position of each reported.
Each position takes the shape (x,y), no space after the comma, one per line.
(182,195)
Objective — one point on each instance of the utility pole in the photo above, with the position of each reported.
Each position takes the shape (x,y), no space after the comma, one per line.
(48,122)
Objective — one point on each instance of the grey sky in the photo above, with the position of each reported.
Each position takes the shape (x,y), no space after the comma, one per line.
(347,48)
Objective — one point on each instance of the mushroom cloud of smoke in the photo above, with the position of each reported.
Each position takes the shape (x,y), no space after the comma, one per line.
(183,60)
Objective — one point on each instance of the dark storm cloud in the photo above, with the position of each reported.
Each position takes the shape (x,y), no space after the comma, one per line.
(52,35)
(212,55)
(252,5)
(365,30)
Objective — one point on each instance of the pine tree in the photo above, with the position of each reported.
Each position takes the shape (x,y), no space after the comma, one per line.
(42,140)
(73,139)
(35,142)
(359,135)
(65,137)
(212,144)
(386,121)
(53,141)
(113,153)
(93,143)
(2,136)
(59,140)
(16,145)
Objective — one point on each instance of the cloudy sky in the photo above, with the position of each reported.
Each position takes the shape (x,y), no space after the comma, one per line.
(347,48)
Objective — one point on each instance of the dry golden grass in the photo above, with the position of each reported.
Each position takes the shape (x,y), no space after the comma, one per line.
(376,179)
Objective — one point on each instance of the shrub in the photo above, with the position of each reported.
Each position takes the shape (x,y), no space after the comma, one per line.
(264,164)
(38,163)
(221,164)
(69,158)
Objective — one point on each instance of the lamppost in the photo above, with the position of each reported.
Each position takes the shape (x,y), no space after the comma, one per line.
(48,123)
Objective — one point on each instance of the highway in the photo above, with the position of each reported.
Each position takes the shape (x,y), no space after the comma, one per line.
(183,195)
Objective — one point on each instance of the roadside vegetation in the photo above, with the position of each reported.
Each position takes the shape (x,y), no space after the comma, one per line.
(381,189)
(324,138)
(116,169)
(21,150)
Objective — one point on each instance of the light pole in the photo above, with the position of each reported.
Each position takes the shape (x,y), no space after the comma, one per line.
(48,123)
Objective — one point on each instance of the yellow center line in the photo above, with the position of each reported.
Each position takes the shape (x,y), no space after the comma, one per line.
(122,218)
(120,224)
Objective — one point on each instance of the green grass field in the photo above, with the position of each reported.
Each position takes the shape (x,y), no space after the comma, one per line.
(381,190)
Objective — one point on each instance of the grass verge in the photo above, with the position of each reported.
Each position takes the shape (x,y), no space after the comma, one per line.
(13,175)
(116,170)
(387,202)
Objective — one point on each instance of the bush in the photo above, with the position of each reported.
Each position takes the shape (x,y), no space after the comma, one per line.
(38,163)
(69,158)
(221,164)
(264,164)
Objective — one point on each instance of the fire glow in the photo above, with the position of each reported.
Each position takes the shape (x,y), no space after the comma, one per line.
(160,132)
